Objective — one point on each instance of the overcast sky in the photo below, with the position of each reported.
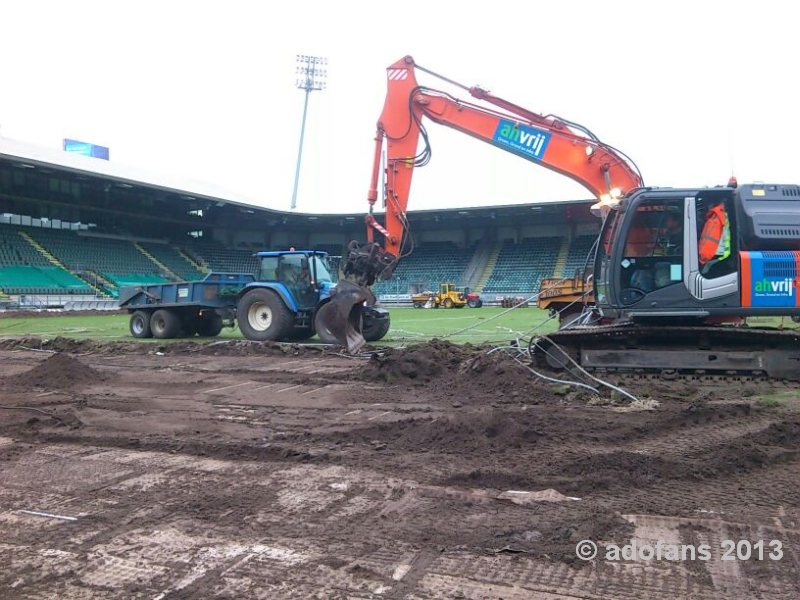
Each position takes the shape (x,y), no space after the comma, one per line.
(693,91)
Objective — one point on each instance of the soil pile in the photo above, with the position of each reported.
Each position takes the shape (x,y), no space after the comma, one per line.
(63,344)
(463,373)
(242,348)
(57,371)
(453,435)
(785,434)
(418,363)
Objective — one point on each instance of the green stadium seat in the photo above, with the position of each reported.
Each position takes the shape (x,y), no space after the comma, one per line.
(429,265)
(172,259)
(521,267)
(224,260)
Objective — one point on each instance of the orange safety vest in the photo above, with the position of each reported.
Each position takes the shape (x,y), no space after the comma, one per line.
(712,233)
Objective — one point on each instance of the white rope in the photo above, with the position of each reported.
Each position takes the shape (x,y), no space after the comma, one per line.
(553,380)
(589,375)
(508,310)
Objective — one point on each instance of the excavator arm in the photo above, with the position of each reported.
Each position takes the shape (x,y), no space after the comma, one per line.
(549,141)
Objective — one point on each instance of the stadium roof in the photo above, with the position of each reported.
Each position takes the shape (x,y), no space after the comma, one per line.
(38,156)
(123,185)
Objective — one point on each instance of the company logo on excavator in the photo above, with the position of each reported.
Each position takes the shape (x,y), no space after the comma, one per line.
(521,138)
(783,287)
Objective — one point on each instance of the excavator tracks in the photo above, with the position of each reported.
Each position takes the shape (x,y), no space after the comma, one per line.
(672,351)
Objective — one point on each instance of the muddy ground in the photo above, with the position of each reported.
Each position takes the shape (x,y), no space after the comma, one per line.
(241,470)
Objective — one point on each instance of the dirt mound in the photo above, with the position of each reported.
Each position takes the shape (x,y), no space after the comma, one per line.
(216,348)
(57,371)
(451,434)
(464,373)
(785,434)
(621,469)
(63,344)
(418,363)
(241,348)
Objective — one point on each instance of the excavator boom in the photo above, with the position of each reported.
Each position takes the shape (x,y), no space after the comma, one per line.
(548,141)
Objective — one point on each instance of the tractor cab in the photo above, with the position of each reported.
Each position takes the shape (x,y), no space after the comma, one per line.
(305,273)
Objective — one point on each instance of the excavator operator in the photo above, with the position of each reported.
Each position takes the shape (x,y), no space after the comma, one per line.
(715,239)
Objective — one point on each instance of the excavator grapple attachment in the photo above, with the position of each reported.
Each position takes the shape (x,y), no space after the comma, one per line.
(340,320)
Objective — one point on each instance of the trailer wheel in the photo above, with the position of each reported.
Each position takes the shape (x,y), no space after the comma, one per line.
(165,324)
(209,326)
(262,316)
(140,324)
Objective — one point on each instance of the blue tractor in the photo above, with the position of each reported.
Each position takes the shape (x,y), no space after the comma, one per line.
(289,300)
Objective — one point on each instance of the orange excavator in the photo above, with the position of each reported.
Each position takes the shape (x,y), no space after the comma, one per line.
(658,300)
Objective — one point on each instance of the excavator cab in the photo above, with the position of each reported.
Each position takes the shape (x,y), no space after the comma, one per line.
(659,258)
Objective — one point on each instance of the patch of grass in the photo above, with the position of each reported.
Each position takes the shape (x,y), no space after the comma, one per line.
(779,399)
(475,325)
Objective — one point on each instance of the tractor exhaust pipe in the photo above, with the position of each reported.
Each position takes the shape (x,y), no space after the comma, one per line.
(340,320)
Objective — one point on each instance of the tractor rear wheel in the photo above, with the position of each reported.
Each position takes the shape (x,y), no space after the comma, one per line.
(262,316)
(448,303)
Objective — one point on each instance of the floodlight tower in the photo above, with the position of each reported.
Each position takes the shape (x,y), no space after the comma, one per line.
(311,74)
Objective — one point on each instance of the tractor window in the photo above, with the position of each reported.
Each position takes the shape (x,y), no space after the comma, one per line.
(269,268)
(321,269)
(293,268)
(294,271)
(653,254)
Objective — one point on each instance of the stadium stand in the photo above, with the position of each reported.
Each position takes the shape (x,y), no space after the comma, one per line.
(110,263)
(222,259)
(115,260)
(24,270)
(578,251)
(429,265)
(172,259)
(15,250)
(25,279)
(335,252)
(521,267)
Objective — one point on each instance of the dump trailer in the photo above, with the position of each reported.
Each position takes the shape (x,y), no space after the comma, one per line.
(566,298)
(286,301)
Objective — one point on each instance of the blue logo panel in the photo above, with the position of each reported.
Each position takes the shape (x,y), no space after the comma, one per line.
(522,139)
(773,279)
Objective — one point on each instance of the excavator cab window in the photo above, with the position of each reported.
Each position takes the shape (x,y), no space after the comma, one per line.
(723,261)
(653,252)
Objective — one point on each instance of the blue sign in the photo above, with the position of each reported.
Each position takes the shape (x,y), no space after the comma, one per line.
(85,149)
(770,278)
(528,141)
